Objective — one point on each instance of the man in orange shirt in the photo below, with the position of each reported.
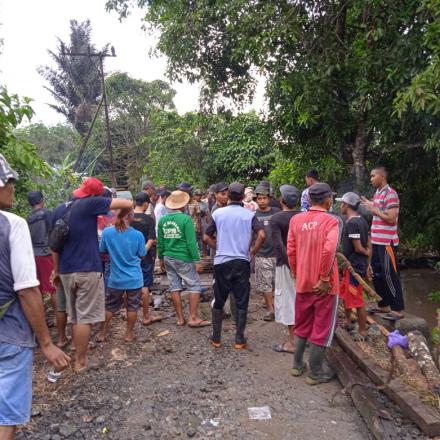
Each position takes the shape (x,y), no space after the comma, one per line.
(311,247)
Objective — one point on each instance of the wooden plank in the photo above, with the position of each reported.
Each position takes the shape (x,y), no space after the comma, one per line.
(359,387)
(426,418)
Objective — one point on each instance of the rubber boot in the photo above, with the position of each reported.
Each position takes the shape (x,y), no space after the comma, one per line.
(318,372)
(298,363)
(240,340)
(233,307)
(217,318)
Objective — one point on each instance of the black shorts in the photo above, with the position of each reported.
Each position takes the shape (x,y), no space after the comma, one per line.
(115,298)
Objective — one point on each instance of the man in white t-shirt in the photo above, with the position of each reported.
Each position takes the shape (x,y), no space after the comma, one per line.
(21,313)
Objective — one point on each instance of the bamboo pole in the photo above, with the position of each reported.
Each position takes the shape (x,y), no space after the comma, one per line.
(358,278)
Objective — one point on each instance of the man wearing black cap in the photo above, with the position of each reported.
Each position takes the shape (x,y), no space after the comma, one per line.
(233,227)
(221,196)
(284,299)
(39,226)
(311,247)
(312,177)
(145,224)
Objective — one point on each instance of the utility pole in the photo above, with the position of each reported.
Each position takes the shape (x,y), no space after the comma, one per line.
(100,56)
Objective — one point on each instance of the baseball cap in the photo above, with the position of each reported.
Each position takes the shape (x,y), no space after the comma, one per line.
(6,172)
(141,198)
(35,197)
(289,194)
(221,186)
(198,192)
(236,187)
(211,189)
(350,198)
(90,187)
(320,191)
(184,186)
(262,189)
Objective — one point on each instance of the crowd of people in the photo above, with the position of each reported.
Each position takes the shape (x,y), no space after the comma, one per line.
(96,253)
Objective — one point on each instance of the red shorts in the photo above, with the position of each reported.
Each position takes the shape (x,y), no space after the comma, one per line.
(351,291)
(44,269)
(316,317)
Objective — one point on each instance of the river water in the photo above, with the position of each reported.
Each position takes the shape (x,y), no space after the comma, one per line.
(417,285)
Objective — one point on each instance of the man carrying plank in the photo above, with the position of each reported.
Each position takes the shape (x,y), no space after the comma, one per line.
(355,245)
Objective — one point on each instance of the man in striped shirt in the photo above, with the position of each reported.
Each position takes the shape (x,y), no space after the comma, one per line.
(384,238)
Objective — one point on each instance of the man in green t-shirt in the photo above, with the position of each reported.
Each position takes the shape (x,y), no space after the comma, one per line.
(178,254)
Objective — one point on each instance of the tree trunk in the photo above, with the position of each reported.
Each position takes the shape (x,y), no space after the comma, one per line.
(419,349)
(359,150)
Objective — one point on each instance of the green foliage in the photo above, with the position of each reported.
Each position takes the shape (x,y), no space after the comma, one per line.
(434,296)
(20,154)
(53,143)
(204,149)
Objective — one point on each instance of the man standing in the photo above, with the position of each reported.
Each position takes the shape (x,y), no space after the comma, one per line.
(312,177)
(221,196)
(355,242)
(284,283)
(149,188)
(311,247)
(39,226)
(160,208)
(384,238)
(233,227)
(178,254)
(265,261)
(145,224)
(21,313)
(79,263)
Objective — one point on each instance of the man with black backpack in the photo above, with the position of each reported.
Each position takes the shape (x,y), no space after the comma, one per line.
(39,227)
(77,262)
(21,313)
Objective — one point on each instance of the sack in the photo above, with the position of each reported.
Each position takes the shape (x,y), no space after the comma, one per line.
(60,232)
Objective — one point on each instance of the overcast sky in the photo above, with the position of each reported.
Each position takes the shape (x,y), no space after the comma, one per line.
(29,28)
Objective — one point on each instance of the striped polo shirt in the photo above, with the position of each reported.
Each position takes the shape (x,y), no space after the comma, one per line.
(382,232)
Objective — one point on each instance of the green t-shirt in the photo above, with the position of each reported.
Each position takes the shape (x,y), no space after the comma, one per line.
(176,237)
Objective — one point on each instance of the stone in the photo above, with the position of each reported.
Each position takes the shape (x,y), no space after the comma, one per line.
(67,430)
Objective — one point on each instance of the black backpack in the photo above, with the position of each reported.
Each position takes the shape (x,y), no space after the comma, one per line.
(61,230)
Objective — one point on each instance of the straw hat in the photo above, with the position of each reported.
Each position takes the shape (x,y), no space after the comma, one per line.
(177,200)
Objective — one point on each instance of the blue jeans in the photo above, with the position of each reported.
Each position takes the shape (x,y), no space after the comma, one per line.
(178,271)
(15,384)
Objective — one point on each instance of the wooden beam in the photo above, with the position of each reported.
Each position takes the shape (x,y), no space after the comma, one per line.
(356,384)
(426,418)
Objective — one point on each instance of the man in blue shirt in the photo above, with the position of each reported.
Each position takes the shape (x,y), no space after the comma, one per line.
(233,226)
(126,247)
(21,313)
(79,265)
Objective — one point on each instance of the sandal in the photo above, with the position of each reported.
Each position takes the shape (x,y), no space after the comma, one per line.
(202,323)
(269,316)
(279,348)
(390,316)
(374,309)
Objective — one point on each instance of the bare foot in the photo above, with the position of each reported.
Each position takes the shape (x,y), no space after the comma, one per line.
(181,323)
(130,337)
(151,319)
(100,337)
(62,343)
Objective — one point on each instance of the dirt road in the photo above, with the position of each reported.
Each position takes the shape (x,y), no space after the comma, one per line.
(177,386)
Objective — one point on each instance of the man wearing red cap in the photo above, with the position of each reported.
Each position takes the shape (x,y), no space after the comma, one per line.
(78,265)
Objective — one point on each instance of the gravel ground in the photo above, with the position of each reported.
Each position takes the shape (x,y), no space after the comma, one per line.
(177,386)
